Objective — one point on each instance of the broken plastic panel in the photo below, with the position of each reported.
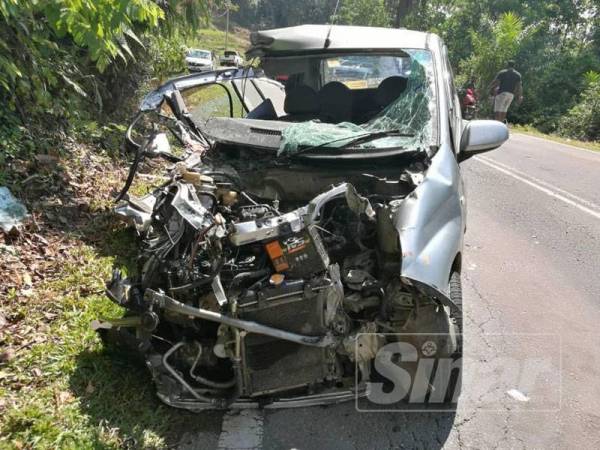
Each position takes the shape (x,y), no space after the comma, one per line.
(410,116)
(12,211)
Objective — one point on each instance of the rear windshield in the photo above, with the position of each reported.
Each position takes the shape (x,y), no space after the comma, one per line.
(230,53)
(363,71)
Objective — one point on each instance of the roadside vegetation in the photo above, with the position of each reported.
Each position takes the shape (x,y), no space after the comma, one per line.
(71,75)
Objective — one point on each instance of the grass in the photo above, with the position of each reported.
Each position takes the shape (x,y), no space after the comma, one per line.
(60,386)
(525,129)
(64,390)
(214,39)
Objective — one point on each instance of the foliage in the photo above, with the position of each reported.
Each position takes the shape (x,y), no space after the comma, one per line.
(371,13)
(166,55)
(492,52)
(559,42)
(101,26)
(583,120)
(261,14)
(65,62)
(45,46)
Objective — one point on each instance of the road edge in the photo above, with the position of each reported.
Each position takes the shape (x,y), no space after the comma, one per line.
(594,152)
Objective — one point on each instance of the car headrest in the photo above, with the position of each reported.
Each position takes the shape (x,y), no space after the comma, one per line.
(301,100)
(335,100)
(389,90)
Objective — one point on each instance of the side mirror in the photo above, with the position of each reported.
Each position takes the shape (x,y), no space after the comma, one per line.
(481,136)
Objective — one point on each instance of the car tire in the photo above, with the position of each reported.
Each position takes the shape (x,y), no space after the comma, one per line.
(456,317)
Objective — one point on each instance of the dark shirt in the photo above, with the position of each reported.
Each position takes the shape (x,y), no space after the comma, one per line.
(509,79)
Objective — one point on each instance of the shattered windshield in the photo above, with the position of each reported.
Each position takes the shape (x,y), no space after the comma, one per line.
(405,122)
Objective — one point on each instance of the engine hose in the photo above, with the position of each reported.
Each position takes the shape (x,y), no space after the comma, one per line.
(185,384)
(206,381)
(244,276)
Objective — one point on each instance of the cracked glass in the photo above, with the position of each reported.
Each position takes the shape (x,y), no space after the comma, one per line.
(408,119)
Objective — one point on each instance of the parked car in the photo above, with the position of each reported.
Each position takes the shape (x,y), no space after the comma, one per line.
(231,58)
(304,229)
(198,60)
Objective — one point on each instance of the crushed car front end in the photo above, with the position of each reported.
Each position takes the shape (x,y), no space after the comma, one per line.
(282,253)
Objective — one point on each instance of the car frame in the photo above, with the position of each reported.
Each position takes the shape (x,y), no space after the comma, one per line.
(428,224)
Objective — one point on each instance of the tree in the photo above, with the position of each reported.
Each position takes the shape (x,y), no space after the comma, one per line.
(373,13)
(492,52)
(399,10)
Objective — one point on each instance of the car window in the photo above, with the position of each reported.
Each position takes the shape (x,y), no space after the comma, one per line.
(212,100)
(199,54)
(363,71)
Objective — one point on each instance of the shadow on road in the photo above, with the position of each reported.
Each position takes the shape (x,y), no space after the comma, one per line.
(342,426)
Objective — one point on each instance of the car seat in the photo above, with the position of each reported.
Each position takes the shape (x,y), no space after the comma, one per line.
(301,103)
(335,101)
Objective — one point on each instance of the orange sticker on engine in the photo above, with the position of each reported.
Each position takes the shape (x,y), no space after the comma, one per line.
(275,252)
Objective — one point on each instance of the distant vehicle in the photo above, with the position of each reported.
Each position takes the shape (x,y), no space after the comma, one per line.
(198,60)
(231,58)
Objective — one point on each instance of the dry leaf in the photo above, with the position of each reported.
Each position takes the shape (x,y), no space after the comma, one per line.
(63,397)
(27,280)
(7,355)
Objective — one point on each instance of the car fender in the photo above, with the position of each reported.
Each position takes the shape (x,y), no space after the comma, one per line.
(430,223)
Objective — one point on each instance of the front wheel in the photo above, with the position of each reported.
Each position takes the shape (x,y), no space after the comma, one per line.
(456,315)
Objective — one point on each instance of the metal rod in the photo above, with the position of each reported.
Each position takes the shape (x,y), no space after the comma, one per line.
(166,302)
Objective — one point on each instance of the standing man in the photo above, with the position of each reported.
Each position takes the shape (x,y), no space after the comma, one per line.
(506,86)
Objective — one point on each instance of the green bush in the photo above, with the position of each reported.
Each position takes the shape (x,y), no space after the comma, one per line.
(583,120)
(166,55)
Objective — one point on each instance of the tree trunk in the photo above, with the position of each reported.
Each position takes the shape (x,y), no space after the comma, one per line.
(403,8)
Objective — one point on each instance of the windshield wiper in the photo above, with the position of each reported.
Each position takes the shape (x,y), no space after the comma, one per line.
(360,139)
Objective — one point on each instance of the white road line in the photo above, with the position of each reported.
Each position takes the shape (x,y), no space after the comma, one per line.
(551,192)
(242,430)
(545,184)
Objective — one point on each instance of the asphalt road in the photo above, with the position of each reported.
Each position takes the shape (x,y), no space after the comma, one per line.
(531,281)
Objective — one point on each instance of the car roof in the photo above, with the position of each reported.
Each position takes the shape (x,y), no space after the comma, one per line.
(331,38)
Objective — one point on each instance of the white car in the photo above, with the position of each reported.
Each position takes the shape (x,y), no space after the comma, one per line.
(231,58)
(198,60)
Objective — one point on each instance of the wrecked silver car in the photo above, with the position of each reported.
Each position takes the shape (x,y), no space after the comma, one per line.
(313,212)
